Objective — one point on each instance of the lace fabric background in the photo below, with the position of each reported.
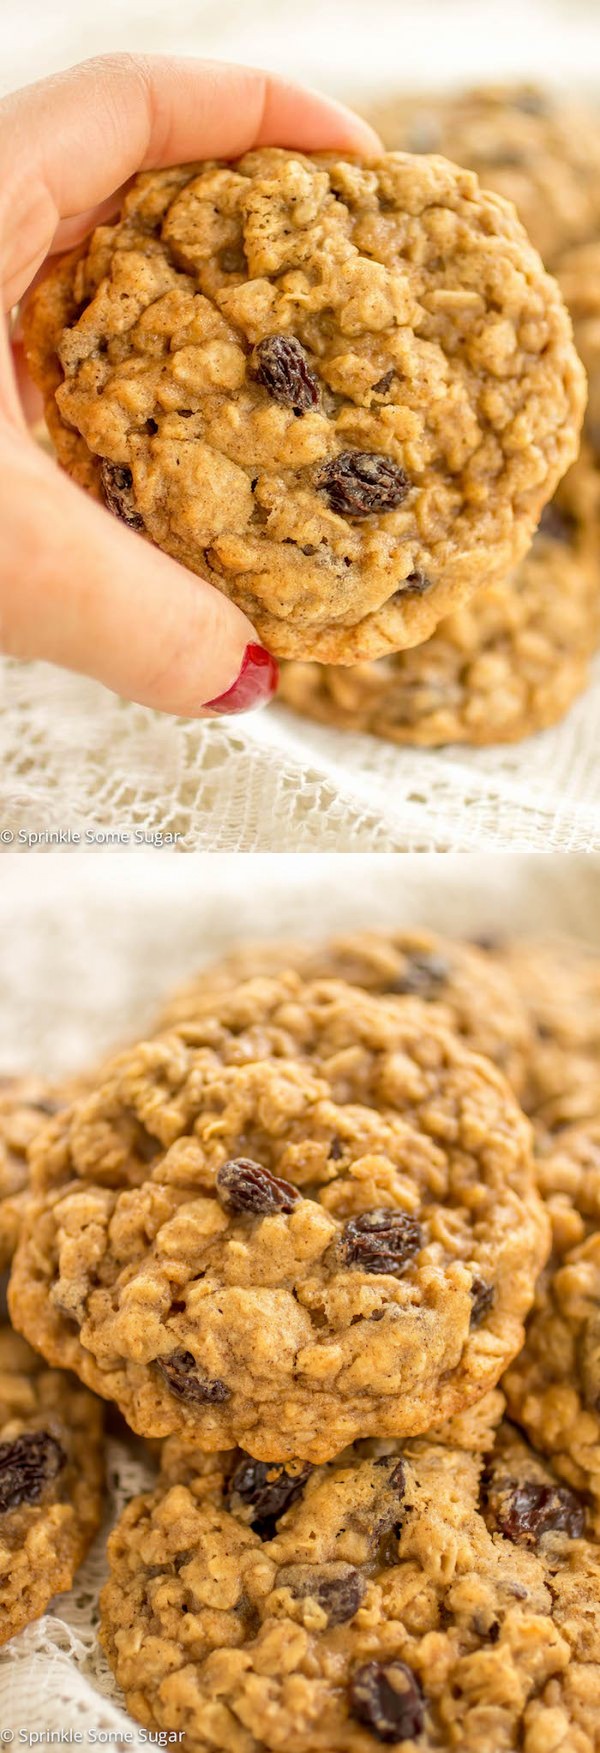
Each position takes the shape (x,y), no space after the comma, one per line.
(75,758)
(87,952)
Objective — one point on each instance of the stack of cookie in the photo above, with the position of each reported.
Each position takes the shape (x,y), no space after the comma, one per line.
(51,1442)
(513,660)
(295,1236)
(347,393)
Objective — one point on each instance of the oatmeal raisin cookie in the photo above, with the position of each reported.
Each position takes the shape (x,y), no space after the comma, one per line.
(306,1215)
(25,1103)
(51,1481)
(405,1594)
(342,392)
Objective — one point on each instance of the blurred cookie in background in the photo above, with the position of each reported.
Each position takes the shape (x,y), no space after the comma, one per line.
(26,1103)
(464,989)
(540,151)
(578,275)
(559,982)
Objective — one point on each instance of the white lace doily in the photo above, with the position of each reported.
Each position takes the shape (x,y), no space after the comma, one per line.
(73,757)
(116,777)
(88,950)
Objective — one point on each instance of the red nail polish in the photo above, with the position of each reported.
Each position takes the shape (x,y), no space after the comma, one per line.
(253,687)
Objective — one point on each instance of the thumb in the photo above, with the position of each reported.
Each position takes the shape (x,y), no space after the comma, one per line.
(79,589)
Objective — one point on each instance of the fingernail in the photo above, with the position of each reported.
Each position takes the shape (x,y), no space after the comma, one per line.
(254,686)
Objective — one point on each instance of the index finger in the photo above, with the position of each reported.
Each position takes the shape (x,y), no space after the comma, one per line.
(68,142)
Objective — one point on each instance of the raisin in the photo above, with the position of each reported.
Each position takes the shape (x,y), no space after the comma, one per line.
(185,1378)
(483,1298)
(424,976)
(265,1489)
(337,1588)
(384,383)
(556,524)
(397,1479)
(531,103)
(381,1241)
(117,485)
(281,366)
(524,1513)
(505,157)
(358,483)
(388,1699)
(415,585)
(387,1553)
(27,1466)
(246,1186)
(387,1524)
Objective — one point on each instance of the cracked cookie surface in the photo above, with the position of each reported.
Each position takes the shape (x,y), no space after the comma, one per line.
(503,666)
(341,392)
(539,151)
(306,1215)
(409,1594)
(51,1481)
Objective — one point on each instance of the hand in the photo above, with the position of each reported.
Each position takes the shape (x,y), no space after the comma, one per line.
(76,587)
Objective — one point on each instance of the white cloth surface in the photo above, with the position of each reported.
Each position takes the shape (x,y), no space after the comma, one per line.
(89,947)
(72,756)
(116,777)
(87,952)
